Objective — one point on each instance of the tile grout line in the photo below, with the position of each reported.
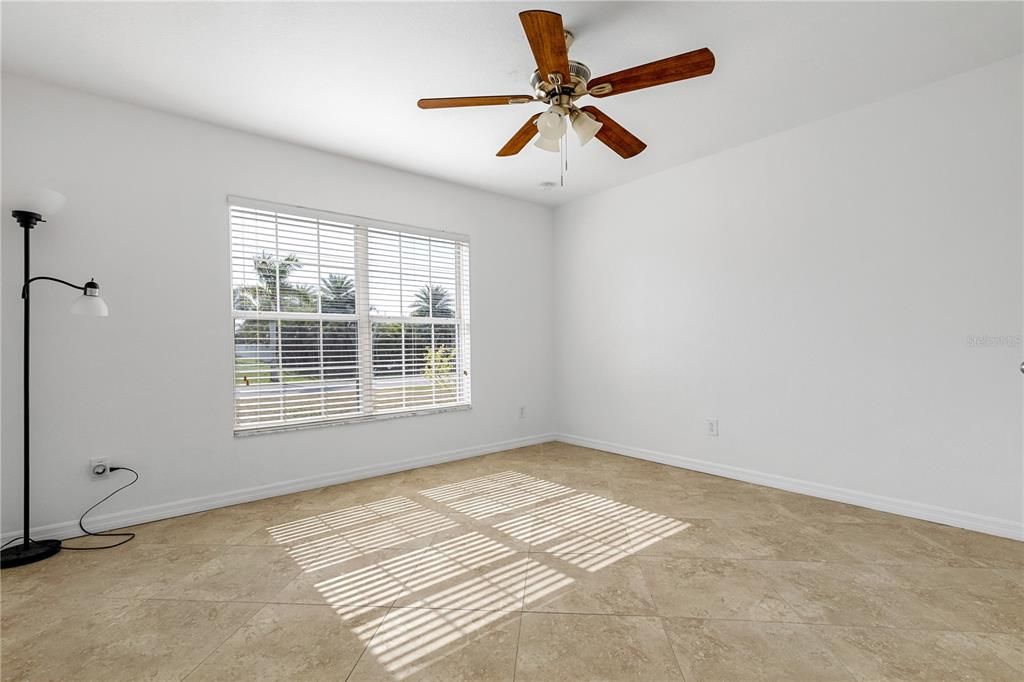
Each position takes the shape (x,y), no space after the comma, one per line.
(647,584)
(390,608)
(973,566)
(519,639)
(1012,633)
(225,640)
(369,640)
(668,640)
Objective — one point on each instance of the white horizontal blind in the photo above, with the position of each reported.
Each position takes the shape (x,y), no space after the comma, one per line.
(335,320)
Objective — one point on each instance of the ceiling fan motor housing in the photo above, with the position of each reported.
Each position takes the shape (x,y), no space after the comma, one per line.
(579,75)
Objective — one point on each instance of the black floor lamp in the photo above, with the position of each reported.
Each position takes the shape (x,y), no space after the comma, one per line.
(34,206)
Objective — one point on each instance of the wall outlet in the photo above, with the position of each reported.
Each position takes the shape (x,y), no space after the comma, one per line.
(712,427)
(99,467)
(522,411)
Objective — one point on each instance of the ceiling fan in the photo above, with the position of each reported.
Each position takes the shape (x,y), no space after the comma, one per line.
(559,81)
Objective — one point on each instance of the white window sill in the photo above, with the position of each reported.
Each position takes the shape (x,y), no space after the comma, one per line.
(295,426)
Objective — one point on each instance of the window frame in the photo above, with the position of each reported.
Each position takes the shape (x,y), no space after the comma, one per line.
(363,317)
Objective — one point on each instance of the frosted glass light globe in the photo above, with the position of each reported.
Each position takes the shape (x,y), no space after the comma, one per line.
(90,306)
(551,124)
(548,145)
(585,127)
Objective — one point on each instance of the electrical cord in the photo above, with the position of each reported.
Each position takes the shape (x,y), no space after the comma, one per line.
(128,537)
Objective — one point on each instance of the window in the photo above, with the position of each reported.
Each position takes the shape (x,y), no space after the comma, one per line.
(341,319)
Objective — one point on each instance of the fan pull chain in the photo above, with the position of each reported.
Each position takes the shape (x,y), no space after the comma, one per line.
(564,161)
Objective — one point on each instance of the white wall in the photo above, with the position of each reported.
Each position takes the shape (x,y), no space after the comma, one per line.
(150,386)
(815,291)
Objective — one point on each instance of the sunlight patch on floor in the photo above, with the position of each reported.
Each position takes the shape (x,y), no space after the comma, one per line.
(377,584)
(497,588)
(410,640)
(329,551)
(476,486)
(488,496)
(340,535)
(443,595)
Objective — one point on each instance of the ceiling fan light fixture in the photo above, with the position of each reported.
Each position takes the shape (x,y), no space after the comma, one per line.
(559,81)
(585,127)
(546,144)
(551,124)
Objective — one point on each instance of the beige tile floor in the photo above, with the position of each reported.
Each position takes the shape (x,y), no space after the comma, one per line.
(545,563)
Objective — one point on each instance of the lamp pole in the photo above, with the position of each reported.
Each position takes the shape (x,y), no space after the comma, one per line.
(26,507)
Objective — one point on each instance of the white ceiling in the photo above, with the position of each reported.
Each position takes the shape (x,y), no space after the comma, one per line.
(345,77)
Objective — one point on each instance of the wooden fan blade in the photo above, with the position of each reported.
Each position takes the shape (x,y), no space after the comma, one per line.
(446,102)
(547,40)
(690,65)
(620,140)
(521,138)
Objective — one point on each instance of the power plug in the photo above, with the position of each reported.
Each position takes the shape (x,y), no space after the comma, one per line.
(99,467)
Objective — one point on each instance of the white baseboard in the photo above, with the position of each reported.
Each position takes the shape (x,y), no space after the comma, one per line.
(951,517)
(131,517)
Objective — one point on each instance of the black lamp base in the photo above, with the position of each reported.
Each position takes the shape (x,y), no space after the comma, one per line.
(35,550)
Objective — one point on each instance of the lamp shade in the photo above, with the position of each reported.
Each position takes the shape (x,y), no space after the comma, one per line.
(91,306)
(90,303)
(585,127)
(39,200)
(551,124)
(546,144)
